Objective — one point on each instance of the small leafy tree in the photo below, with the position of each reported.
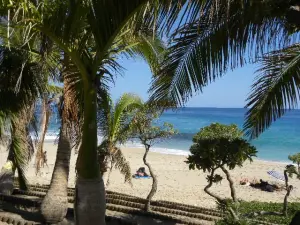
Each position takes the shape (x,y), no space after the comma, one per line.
(296,159)
(148,133)
(216,147)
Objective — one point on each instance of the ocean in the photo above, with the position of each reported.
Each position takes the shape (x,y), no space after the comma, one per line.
(275,144)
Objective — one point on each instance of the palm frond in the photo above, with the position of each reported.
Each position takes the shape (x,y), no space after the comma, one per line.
(119,161)
(227,35)
(71,105)
(151,49)
(104,115)
(275,90)
(19,151)
(126,103)
(21,81)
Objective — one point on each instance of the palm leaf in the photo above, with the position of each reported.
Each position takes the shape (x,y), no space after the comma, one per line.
(227,35)
(275,90)
(126,103)
(21,146)
(105,106)
(20,80)
(119,161)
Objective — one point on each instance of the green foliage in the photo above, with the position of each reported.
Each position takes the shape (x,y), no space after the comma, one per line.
(114,123)
(219,145)
(291,170)
(254,206)
(218,131)
(145,126)
(230,221)
(21,80)
(295,159)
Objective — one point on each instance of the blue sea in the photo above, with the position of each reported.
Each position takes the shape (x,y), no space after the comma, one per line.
(275,144)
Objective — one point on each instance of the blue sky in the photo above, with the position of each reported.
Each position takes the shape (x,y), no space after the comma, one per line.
(229,91)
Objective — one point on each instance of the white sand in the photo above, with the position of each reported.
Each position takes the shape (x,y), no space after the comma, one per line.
(176,181)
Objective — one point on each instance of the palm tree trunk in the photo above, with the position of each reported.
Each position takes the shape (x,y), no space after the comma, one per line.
(44,127)
(55,204)
(231,184)
(7,175)
(154,179)
(90,191)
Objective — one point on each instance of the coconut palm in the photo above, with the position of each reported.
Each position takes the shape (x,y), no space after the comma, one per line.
(114,122)
(21,85)
(91,33)
(55,204)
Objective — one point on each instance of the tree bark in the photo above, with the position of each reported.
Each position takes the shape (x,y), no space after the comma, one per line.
(55,204)
(231,184)
(288,191)
(206,189)
(90,201)
(39,160)
(154,180)
(7,175)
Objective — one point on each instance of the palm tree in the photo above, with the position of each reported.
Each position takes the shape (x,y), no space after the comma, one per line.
(48,98)
(93,46)
(55,204)
(114,122)
(20,87)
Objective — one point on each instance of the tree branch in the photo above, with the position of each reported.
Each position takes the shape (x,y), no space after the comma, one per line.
(231,184)
(219,199)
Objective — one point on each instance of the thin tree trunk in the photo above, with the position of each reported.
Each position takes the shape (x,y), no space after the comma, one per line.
(288,191)
(154,179)
(218,198)
(55,204)
(231,184)
(206,189)
(90,201)
(39,159)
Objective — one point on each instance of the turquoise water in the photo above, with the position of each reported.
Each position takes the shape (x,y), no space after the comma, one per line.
(275,144)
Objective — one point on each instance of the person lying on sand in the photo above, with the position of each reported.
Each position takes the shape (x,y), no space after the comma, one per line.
(265,186)
(141,172)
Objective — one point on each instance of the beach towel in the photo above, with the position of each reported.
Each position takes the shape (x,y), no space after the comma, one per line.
(276,175)
(141,177)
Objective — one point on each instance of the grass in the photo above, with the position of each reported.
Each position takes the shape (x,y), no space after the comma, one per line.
(254,206)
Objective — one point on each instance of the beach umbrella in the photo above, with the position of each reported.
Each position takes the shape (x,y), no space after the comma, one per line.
(277,175)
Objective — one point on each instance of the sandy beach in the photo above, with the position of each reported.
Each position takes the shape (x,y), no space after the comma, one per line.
(176,182)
